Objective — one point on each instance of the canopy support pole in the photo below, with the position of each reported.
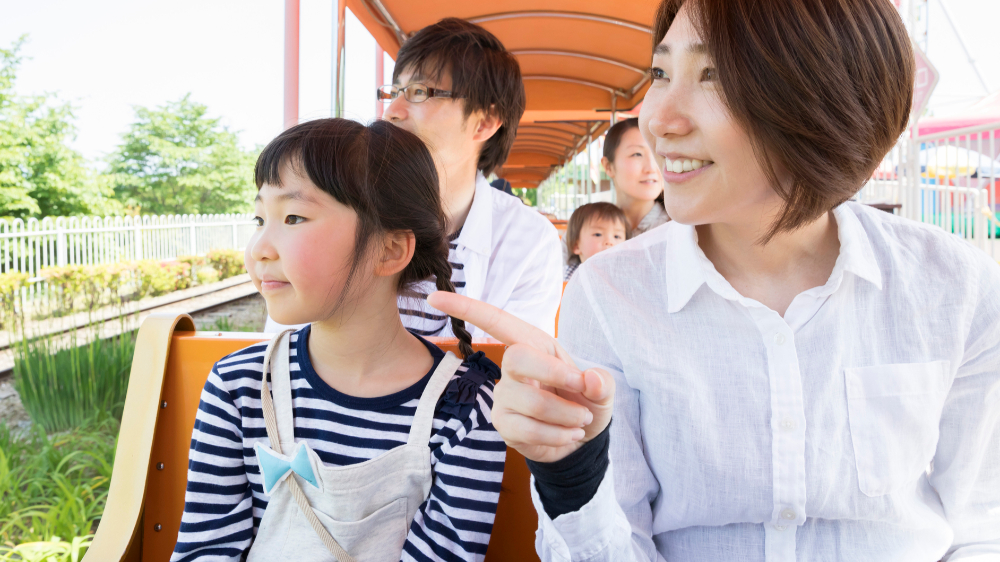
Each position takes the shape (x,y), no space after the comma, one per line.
(338,91)
(379,78)
(291,113)
(590,170)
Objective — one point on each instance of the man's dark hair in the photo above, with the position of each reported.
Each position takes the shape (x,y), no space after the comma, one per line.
(482,71)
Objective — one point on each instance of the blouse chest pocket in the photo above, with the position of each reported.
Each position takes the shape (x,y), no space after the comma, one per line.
(894,413)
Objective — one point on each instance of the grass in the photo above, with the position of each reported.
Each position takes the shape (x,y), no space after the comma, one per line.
(54,479)
(63,388)
(54,486)
(55,550)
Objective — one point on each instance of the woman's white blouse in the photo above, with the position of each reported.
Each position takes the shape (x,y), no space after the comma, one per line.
(862,426)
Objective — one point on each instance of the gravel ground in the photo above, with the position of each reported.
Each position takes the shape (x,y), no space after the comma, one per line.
(12,413)
(246,314)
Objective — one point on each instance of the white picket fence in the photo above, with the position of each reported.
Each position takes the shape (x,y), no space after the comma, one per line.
(28,246)
(949,179)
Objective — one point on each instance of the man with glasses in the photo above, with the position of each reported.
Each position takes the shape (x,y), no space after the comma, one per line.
(458,89)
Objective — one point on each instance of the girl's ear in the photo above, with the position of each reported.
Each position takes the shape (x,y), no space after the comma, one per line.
(397,251)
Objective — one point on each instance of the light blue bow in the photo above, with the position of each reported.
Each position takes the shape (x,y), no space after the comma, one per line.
(274,466)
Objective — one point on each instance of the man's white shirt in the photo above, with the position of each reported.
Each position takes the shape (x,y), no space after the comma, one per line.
(507,255)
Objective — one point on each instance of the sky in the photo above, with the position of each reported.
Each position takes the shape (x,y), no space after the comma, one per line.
(107,56)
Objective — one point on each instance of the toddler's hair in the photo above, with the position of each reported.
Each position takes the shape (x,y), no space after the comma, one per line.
(585,213)
(387,176)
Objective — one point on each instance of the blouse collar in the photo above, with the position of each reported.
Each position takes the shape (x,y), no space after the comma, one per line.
(688,268)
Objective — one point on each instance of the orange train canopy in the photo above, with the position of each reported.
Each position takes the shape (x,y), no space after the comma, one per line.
(582,61)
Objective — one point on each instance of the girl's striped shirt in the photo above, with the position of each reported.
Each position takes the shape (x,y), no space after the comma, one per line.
(225,499)
(417,315)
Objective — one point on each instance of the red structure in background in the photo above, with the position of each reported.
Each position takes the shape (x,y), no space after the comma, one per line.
(984,112)
(379,77)
(291,116)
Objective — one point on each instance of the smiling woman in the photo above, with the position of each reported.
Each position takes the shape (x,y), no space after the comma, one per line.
(793,376)
(629,162)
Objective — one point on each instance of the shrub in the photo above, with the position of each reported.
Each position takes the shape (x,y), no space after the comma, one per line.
(156,278)
(193,261)
(10,292)
(91,285)
(181,272)
(227,262)
(207,275)
(66,280)
(62,388)
(87,287)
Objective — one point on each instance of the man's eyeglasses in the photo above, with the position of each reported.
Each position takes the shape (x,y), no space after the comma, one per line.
(414,93)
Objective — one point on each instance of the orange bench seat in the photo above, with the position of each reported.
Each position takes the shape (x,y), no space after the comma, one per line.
(146,498)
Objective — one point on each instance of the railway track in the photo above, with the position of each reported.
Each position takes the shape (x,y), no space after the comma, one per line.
(107,323)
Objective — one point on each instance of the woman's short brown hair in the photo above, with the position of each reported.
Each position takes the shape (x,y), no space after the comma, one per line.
(823,89)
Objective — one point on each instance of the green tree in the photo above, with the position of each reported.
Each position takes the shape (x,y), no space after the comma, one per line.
(176,160)
(529,195)
(40,175)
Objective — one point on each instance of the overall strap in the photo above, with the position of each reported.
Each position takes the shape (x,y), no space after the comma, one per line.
(277,410)
(282,425)
(423,420)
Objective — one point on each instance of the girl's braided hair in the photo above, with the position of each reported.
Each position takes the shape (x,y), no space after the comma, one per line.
(387,176)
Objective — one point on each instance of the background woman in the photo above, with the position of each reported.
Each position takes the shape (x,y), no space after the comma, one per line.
(793,376)
(638,184)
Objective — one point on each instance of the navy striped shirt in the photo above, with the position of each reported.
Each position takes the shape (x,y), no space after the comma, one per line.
(225,499)
(417,315)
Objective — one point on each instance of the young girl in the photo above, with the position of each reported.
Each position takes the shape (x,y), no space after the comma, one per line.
(366,443)
(593,228)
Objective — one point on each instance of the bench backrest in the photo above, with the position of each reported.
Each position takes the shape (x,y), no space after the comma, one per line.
(146,499)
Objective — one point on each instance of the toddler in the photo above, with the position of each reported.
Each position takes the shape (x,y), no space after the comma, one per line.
(593,228)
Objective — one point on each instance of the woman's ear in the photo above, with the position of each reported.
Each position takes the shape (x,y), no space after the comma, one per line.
(397,251)
(609,167)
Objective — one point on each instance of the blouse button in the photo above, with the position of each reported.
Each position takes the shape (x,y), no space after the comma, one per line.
(788,424)
(779,339)
(788,514)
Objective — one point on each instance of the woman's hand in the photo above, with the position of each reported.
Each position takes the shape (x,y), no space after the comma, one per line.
(543,406)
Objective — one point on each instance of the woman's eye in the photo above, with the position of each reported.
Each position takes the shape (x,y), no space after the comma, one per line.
(639,154)
(257,221)
(708,75)
(657,74)
(294,219)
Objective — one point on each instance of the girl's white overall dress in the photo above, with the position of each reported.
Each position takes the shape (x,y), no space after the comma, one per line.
(366,508)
